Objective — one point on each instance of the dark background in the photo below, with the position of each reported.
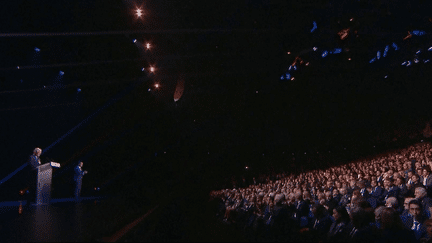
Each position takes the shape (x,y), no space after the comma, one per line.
(235,110)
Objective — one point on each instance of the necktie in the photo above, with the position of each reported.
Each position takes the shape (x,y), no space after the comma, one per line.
(415,225)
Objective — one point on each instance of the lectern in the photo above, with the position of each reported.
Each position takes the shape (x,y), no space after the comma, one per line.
(43,187)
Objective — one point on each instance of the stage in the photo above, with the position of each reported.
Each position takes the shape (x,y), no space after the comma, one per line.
(64,220)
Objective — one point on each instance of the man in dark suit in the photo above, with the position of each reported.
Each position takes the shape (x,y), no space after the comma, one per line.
(376,190)
(427,179)
(390,190)
(414,220)
(78,176)
(34,162)
(421,195)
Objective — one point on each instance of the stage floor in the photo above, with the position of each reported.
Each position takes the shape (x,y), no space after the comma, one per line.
(64,220)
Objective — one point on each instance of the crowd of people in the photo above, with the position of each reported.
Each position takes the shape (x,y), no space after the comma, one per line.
(383,199)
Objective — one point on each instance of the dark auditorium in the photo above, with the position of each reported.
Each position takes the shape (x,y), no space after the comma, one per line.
(216,121)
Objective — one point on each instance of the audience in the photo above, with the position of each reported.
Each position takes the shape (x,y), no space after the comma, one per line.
(383,199)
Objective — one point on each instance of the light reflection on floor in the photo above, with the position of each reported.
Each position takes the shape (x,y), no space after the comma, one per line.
(64,220)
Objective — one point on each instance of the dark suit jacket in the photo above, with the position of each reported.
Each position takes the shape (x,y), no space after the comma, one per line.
(391,192)
(79,173)
(428,181)
(34,162)
(376,192)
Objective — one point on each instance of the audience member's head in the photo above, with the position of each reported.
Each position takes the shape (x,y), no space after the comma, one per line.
(390,219)
(340,214)
(415,209)
(428,224)
(420,193)
(392,202)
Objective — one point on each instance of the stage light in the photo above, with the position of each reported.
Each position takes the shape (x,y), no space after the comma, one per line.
(37,49)
(426,61)
(142,69)
(61,73)
(156,86)
(134,40)
(315,48)
(314,27)
(139,12)
(324,54)
(337,50)
(418,52)
(290,67)
(395,46)
(385,76)
(295,67)
(148,46)
(385,51)
(430,48)
(149,90)
(378,55)
(408,63)
(282,77)
(373,60)
(307,64)
(404,63)
(292,79)
(79,90)
(416,60)
(349,58)
(17,67)
(351,19)
(152,69)
(289,53)
(418,32)
(288,76)
(256,92)
(246,167)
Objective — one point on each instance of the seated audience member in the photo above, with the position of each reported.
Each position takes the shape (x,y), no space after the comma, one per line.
(330,202)
(405,211)
(392,229)
(376,190)
(392,202)
(362,186)
(419,171)
(363,230)
(345,198)
(319,225)
(414,220)
(420,194)
(336,195)
(408,178)
(428,225)
(390,190)
(340,229)
(427,179)
(415,182)
(377,213)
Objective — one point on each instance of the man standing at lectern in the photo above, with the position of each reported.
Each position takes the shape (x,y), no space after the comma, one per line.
(78,176)
(34,162)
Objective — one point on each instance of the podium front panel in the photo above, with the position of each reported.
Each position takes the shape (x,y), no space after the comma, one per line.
(43,190)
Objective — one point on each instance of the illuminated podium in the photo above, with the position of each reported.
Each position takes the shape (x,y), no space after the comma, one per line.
(43,187)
